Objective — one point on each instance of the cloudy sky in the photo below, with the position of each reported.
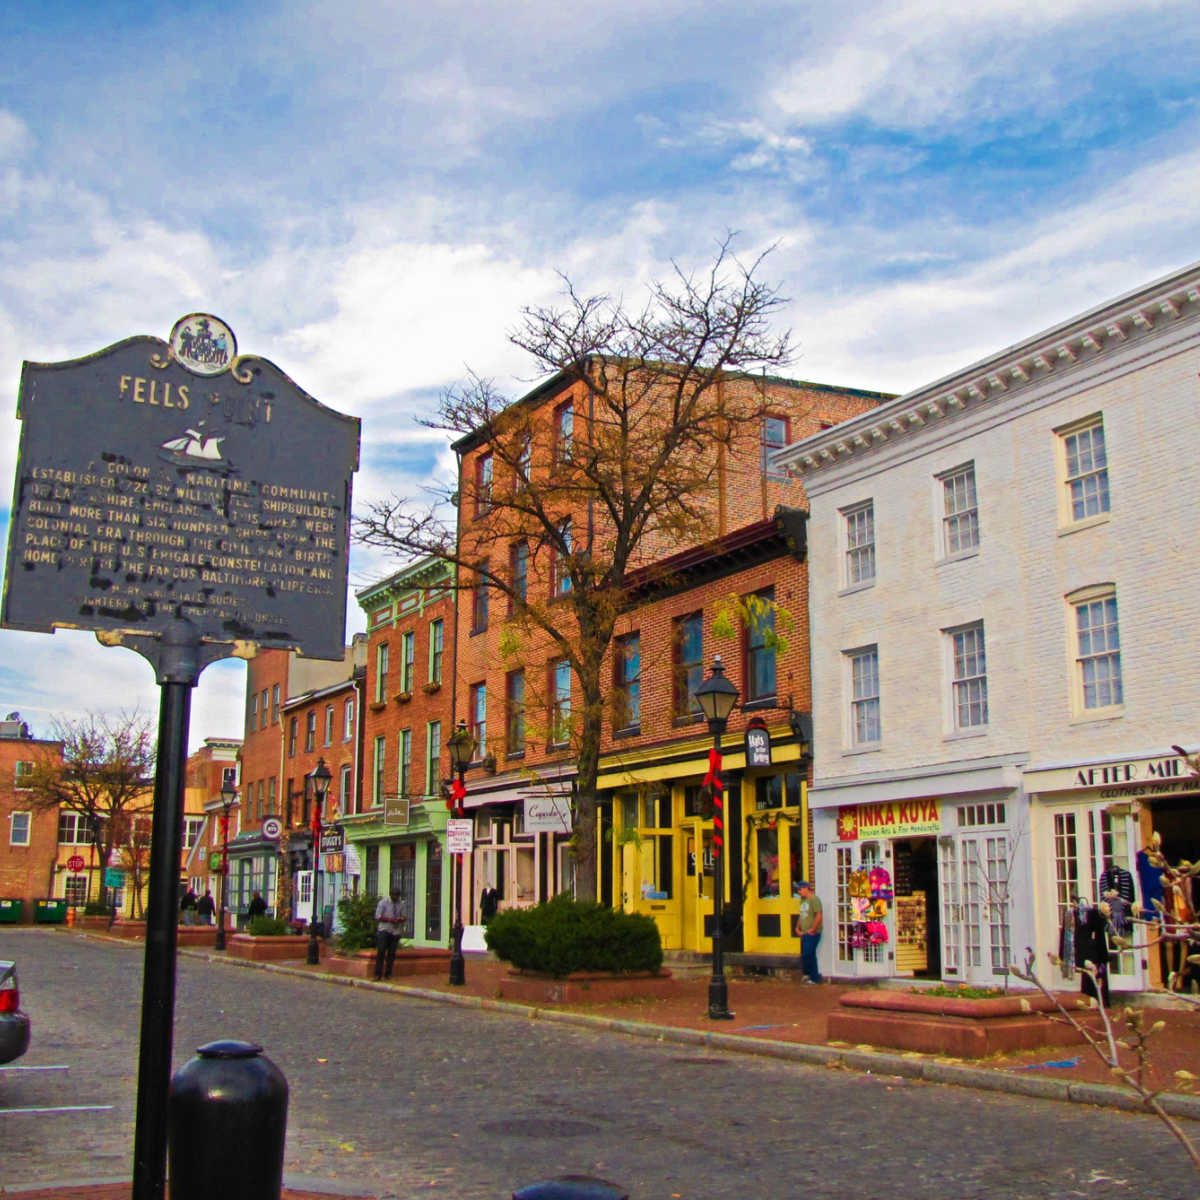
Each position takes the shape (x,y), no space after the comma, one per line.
(368,193)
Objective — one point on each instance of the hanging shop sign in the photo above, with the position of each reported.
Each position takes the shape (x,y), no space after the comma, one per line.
(758,744)
(892,818)
(353,860)
(333,839)
(396,810)
(547,814)
(160,482)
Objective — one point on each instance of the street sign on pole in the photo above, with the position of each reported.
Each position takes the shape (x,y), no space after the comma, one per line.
(190,503)
(460,835)
(272,828)
(114,877)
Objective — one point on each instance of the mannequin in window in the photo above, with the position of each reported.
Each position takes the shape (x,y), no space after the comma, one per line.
(1116,887)
(1092,950)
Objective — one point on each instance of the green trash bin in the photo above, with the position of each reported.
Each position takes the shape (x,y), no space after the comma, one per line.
(50,912)
(10,912)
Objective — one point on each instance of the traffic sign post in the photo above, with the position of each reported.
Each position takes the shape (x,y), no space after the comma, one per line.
(190,503)
(75,863)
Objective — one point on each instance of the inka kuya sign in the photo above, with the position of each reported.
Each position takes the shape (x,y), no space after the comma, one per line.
(164,480)
(892,818)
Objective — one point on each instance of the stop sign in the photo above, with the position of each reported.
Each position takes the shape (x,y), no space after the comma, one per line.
(75,862)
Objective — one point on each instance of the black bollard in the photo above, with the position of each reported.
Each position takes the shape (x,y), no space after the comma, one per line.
(226,1118)
(572,1187)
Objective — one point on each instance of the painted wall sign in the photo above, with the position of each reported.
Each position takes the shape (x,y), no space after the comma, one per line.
(164,480)
(900,818)
(758,746)
(547,814)
(460,835)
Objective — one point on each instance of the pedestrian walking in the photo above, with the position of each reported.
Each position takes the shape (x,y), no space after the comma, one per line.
(187,907)
(205,908)
(389,919)
(808,930)
(257,906)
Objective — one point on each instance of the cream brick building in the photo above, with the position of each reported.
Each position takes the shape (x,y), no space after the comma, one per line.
(1003,613)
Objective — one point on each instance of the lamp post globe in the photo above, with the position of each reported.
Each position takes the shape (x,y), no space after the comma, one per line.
(320,777)
(717,697)
(462,750)
(228,799)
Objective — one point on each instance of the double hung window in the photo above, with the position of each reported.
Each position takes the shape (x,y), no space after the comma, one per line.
(865,723)
(860,543)
(960,511)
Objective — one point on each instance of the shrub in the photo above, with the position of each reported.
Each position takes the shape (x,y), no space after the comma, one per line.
(564,935)
(358,923)
(266,927)
(96,908)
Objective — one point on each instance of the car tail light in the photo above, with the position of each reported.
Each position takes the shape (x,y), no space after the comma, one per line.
(10,999)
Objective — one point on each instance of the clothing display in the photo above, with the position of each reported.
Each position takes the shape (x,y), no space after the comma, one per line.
(1092,950)
(880,882)
(1116,889)
(1150,878)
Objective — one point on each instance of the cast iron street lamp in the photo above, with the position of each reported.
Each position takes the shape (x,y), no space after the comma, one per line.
(716,697)
(320,786)
(228,797)
(462,750)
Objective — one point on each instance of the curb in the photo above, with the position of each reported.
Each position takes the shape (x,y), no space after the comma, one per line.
(872,1062)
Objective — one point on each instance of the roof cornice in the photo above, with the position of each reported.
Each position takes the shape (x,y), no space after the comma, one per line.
(1104,331)
(426,572)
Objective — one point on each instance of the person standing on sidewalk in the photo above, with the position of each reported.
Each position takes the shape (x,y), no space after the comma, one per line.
(389,919)
(808,930)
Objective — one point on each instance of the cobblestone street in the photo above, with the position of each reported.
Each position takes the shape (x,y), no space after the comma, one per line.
(401,1097)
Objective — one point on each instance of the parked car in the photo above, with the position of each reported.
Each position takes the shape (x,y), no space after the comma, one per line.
(14,1024)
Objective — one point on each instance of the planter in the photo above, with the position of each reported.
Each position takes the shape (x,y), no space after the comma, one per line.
(414,961)
(94,923)
(133,930)
(586,987)
(948,1025)
(267,949)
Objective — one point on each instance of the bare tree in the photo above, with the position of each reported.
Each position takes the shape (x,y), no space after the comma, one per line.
(103,773)
(668,397)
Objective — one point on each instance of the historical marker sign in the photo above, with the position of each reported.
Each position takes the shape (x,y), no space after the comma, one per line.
(165,480)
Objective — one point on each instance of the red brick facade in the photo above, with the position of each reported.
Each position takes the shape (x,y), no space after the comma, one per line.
(28,838)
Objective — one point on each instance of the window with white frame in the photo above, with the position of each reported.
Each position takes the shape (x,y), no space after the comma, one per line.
(310,731)
(960,511)
(275,704)
(1085,469)
(329,724)
(968,668)
(75,890)
(348,720)
(478,713)
(560,702)
(74,829)
(865,723)
(345,787)
(859,523)
(1097,648)
(18,828)
(192,828)
(774,437)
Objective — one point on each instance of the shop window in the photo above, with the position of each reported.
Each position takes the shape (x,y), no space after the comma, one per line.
(796,856)
(371,871)
(778,791)
(524,866)
(768,862)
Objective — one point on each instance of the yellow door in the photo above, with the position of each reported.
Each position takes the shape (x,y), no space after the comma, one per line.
(696,894)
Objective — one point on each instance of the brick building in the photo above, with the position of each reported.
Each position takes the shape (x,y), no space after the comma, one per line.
(395,834)
(284,693)
(1001,571)
(209,769)
(518,695)
(29,849)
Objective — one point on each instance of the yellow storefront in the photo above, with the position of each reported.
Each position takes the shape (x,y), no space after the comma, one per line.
(656,827)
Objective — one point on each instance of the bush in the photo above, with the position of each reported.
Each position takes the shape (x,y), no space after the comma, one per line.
(564,935)
(358,923)
(266,927)
(96,908)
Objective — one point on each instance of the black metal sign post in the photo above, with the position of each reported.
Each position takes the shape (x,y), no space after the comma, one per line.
(190,504)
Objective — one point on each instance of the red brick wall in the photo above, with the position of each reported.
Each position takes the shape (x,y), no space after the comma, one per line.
(262,746)
(25,871)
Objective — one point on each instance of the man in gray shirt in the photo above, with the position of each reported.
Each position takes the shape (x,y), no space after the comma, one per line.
(389,920)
